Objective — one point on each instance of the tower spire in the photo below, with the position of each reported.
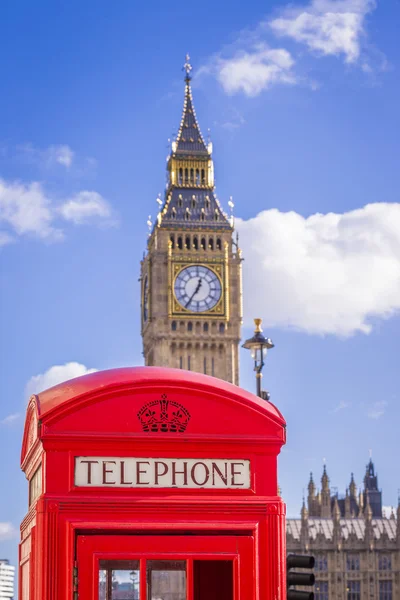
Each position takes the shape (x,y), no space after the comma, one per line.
(190,197)
(189,138)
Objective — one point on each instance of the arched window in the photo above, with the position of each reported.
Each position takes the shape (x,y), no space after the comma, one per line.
(190,326)
(187,214)
(180,202)
(187,242)
(197,177)
(173,325)
(172,239)
(173,212)
(186,175)
(219,245)
(195,243)
(216,215)
(211,243)
(202,215)
(180,245)
(207,202)
(203,243)
(180,177)
(191,175)
(222,327)
(193,202)
(205,327)
(203,177)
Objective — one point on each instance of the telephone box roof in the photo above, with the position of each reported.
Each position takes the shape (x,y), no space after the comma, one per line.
(58,397)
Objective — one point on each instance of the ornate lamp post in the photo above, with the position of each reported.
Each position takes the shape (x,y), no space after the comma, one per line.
(259,345)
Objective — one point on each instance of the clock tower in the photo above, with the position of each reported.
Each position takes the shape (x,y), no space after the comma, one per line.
(191,284)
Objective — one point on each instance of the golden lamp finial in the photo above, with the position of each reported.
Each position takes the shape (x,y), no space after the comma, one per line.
(257,323)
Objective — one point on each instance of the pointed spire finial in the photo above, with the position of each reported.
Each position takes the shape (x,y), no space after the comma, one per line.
(368,510)
(304,511)
(187,67)
(336,510)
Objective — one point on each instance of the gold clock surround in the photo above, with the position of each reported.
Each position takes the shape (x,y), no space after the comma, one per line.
(218,311)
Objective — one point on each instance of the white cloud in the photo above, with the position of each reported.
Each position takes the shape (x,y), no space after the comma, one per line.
(54,375)
(251,65)
(232,120)
(63,155)
(325,274)
(387,511)
(85,206)
(329,27)
(5,238)
(46,157)
(341,406)
(10,419)
(7,531)
(26,209)
(377,409)
(253,71)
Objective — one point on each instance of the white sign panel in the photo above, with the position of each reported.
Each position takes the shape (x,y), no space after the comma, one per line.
(95,471)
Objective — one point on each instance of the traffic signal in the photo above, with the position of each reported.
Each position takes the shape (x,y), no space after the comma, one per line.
(299,561)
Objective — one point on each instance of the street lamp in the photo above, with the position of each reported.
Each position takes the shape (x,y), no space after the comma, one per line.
(258,345)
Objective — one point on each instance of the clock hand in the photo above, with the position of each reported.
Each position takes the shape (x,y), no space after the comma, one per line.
(194,293)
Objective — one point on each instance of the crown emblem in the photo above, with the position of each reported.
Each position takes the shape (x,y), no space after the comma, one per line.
(164,416)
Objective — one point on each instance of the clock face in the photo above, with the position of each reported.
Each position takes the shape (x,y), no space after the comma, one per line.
(145,299)
(197,288)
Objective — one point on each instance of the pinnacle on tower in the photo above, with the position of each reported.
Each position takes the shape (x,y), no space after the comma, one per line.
(336,510)
(189,138)
(352,487)
(304,511)
(190,198)
(325,479)
(311,486)
(368,510)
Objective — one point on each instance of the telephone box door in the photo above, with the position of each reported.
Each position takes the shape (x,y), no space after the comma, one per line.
(165,567)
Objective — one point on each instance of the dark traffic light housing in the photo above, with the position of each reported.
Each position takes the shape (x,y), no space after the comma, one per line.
(299,561)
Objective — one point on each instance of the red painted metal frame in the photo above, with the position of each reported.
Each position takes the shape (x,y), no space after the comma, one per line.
(96,415)
(92,549)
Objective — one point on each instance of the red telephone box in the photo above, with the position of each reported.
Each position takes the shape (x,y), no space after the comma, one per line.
(152,484)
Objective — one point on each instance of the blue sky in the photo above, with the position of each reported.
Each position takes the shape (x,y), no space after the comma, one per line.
(302,104)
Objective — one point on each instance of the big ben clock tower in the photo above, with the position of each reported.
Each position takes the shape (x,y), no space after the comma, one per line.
(191,295)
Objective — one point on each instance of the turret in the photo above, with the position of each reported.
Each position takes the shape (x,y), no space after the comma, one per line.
(369,534)
(336,510)
(352,487)
(368,514)
(304,532)
(311,500)
(347,505)
(325,495)
(371,488)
